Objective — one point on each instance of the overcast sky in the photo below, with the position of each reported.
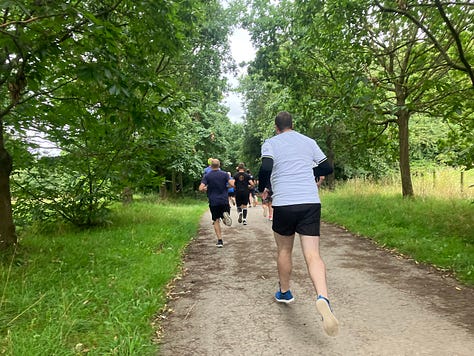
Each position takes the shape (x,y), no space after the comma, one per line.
(242,51)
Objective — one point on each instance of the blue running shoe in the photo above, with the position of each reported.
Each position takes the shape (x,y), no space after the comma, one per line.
(286,297)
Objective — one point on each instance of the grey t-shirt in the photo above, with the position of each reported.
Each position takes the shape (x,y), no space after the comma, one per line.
(294,156)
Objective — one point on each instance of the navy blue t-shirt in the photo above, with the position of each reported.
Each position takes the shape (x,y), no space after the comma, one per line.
(216,182)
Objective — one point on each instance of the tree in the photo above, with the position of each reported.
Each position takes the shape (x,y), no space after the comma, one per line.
(107,60)
(408,74)
(366,71)
(454,16)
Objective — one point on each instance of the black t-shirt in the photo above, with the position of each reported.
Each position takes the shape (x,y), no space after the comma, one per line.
(242,181)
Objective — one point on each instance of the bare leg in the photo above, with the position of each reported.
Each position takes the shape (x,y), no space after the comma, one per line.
(217,229)
(317,272)
(284,259)
(315,264)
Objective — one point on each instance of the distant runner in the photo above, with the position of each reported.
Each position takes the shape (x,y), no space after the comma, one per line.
(215,184)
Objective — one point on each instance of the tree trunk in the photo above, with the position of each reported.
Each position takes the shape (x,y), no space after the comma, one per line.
(180,187)
(163,191)
(331,179)
(403,141)
(173,183)
(8,236)
(127,195)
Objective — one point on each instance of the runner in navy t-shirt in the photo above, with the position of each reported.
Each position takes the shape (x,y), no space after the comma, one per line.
(215,183)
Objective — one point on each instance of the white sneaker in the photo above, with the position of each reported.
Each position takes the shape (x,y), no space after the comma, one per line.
(227,219)
(245,221)
(330,323)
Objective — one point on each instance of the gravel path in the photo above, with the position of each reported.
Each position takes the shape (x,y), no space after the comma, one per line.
(386,305)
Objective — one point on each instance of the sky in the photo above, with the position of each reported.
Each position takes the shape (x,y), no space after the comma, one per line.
(242,51)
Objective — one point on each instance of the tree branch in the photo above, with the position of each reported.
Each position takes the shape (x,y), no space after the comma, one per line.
(427,32)
(455,35)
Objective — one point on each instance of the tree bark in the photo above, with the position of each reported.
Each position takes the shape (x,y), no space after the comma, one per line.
(8,237)
(403,141)
(331,179)
(127,195)
(173,183)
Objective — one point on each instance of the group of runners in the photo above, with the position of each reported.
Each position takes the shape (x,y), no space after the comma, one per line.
(296,207)
(241,192)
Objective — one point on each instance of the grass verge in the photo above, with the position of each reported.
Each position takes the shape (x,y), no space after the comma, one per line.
(94,291)
(430,229)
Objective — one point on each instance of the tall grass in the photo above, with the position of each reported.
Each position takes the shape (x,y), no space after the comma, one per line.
(94,291)
(435,227)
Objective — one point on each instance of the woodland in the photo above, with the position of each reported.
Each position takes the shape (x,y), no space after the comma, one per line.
(101,100)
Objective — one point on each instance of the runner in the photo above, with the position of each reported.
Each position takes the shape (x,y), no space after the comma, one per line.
(267,205)
(253,200)
(296,208)
(208,168)
(215,184)
(231,190)
(243,183)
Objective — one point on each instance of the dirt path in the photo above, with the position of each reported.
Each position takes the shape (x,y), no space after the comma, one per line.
(386,305)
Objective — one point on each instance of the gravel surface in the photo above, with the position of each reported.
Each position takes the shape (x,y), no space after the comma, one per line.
(386,305)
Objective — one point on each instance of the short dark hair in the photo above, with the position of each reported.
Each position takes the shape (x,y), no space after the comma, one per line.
(284,120)
(215,163)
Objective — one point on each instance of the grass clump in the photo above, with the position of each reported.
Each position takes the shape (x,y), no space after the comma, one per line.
(433,228)
(94,291)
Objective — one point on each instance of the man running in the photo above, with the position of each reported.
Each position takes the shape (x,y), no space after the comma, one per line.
(231,190)
(215,184)
(287,158)
(243,183)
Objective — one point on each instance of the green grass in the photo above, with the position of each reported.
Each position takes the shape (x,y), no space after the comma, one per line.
(98,291)
(94,291)
(433,228)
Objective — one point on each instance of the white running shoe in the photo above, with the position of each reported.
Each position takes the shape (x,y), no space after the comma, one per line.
(227,219)
(330,323)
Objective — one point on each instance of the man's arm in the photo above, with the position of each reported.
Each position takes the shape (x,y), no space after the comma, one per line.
(323,169)
(265,173)
(320,180)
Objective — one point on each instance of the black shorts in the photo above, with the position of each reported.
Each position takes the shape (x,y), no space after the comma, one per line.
(217,211)
(241,198)
(302,218)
